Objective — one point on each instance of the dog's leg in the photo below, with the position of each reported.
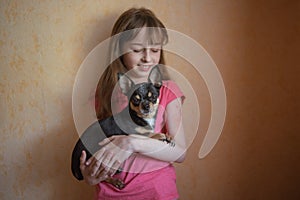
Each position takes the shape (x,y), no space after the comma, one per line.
(158,136)
(115,182)
(164,138)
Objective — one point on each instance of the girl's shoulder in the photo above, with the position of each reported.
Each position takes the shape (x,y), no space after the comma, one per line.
(170,91)
(169,83)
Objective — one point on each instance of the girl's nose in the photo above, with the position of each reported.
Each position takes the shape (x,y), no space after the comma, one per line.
(146,55)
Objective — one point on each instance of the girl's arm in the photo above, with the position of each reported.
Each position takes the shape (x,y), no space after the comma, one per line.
(118,148)
(161,150)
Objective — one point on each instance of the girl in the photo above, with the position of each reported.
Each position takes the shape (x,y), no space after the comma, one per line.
(146,163)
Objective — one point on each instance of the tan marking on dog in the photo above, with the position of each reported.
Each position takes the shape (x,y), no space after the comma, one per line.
(158,136)
(149,94)
(153,108)
(142,130)
(135,108)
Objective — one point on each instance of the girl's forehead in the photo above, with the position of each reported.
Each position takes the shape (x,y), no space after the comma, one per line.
(142,34)
(143,44)
(140,42)
(147,36)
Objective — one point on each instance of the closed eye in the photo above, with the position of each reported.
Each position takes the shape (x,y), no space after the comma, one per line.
(155,50)
(137,50)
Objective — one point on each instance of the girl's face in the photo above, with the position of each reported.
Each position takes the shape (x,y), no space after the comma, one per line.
(140,56)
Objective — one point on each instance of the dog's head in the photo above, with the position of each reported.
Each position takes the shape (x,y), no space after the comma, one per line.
(143,97)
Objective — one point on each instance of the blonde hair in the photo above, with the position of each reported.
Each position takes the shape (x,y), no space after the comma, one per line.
(129,23)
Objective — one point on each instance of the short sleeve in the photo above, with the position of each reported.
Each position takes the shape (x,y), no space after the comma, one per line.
(168,92)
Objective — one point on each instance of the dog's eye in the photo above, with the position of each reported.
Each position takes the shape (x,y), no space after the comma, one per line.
(152,98)
(137,97)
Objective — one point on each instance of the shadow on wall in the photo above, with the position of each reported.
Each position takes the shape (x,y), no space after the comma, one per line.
(268,77)
(50,166)
(46,170)
(68,133)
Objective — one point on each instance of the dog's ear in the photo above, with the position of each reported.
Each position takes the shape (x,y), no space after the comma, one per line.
(155,77)
(125,83)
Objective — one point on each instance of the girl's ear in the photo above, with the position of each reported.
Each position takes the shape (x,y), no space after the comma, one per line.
(125,83)
(155,77)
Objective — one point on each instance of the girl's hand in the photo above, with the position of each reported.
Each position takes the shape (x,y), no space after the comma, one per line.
(86,171)
(115,150)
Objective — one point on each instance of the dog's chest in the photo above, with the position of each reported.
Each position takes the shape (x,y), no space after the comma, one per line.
(145,130)
(151,122)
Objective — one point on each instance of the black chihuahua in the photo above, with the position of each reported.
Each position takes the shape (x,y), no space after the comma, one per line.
(137,118)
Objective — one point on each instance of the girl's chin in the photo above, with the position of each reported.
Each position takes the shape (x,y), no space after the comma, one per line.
(140,72)
(139,75)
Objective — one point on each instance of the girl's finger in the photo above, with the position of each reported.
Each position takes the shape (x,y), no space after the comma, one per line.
(100,155)
(82,160)
(112,166)
(107,159)
(106,141)
(97,156)
(90,160)
(102,174)
(95,168)
(116,166)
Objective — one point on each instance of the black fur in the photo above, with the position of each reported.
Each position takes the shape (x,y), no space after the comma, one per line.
(114,125)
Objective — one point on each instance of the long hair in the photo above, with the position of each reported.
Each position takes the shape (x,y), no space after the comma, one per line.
(125,29)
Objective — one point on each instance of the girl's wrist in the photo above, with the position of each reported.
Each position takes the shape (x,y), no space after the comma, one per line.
(135,142)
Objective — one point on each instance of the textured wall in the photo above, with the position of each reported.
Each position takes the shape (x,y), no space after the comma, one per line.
(255,44)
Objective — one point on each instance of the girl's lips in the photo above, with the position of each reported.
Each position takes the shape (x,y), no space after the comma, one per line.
(145,67)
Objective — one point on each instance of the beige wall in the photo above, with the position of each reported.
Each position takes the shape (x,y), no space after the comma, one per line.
(255,45)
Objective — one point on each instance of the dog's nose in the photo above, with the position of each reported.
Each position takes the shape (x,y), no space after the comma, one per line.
(145,106)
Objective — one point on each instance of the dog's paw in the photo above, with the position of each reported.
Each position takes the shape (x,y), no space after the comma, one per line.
(165,138)
(170,141)
(116,182)
(159,136)
(119,184)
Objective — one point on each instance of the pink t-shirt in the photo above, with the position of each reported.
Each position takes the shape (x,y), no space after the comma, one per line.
(145,177)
